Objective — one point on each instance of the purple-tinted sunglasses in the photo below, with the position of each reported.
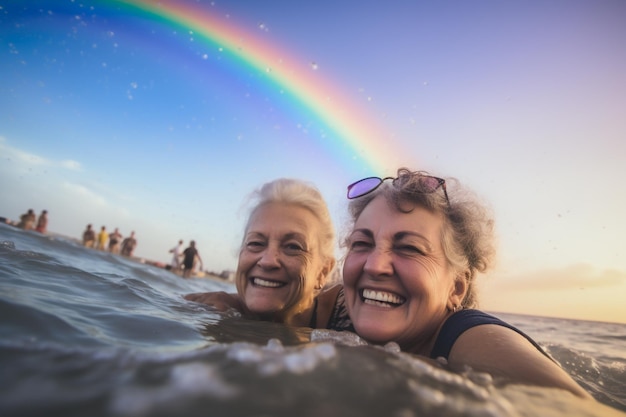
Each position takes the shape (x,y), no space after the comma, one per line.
(426,184)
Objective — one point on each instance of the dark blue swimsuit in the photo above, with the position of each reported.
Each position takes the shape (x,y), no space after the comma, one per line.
(464,320)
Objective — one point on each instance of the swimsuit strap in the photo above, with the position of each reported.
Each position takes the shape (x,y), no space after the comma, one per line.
(464,320)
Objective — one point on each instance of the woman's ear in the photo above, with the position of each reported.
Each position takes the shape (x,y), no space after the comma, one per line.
(458,291)
(322,278)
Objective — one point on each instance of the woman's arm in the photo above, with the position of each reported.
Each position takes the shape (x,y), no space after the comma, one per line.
(221,300)
(505,353)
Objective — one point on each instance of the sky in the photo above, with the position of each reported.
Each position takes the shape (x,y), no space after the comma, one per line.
(162,117)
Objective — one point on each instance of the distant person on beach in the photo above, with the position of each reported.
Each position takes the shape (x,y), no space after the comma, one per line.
(27,220)
(42,222)
(115,240)
(413,255)
(176,252)
(285,261)
(129,244)
(191,257)
(89,237)
(102,238)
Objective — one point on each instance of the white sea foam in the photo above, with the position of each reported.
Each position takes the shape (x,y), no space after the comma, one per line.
(188,379)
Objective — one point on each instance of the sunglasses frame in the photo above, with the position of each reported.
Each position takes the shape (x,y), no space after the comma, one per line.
(441,184)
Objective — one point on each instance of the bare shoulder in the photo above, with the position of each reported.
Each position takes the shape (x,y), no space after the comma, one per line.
(326,301)
(330,293)
(328,297)
(502,352)
(489,344)
(219,299)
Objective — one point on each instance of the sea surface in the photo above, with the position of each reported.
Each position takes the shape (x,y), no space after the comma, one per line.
(88,333)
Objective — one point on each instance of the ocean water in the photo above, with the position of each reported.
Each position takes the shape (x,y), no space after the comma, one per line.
(87,333)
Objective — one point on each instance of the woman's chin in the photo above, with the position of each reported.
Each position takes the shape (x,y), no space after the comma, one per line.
(263,306)
(374,331)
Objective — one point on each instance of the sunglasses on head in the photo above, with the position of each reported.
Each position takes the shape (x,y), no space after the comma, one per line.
(425,184)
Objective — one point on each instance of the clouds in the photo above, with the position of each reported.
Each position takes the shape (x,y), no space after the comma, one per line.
(63,180)
(60,185)
(576,276)
(578,291)
(71,165)
(83,193)
(28,176)
(23,161)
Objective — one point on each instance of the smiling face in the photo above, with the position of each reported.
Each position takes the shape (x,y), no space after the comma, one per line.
(280,263)
(398,284)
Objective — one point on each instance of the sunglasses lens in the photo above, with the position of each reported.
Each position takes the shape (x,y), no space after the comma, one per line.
(363,187)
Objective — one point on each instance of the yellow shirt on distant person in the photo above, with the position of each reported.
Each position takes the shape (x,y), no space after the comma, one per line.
(102,239)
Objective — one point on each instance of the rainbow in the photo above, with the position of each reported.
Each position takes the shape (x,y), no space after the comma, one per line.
(345,125)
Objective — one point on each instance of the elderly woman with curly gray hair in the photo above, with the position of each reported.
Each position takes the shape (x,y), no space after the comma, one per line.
(415,248)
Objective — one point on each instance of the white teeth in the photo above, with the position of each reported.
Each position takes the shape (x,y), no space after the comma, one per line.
(381,296)
(264,283)
(377,303)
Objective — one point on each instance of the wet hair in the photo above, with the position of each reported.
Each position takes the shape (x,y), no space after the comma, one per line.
(467,233)
(303,194)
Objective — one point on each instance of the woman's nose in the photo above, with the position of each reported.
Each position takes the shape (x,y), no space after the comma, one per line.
(269,258)
(379,263)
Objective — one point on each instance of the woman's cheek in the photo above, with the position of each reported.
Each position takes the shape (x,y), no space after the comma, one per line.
(351,269)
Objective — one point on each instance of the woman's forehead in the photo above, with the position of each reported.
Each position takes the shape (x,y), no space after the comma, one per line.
(383,215)
(288,218)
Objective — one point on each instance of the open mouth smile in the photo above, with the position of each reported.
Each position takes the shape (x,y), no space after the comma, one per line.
(266,283)
(381,298)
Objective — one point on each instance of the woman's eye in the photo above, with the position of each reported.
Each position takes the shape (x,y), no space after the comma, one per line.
(294,247)
(360,244)
(254,244)
(410,249)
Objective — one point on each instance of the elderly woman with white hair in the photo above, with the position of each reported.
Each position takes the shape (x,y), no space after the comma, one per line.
(286,261)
